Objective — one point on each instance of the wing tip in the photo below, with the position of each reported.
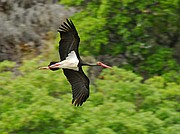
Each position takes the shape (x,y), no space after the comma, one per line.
(67,26)
(79,100)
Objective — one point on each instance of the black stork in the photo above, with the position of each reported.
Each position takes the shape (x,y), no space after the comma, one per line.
(71,63)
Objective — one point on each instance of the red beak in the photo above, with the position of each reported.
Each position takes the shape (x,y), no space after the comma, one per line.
(104,65)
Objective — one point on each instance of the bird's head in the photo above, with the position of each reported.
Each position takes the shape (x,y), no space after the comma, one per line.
(103,65)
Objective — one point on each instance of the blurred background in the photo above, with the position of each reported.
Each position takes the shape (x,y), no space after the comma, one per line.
(139,39)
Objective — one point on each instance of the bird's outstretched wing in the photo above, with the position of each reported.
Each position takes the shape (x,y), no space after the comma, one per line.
(69,39)
(79,81)
(80,85)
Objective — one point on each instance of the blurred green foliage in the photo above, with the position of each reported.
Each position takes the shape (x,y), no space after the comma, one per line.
(39,102)
(145,32)
(35,101)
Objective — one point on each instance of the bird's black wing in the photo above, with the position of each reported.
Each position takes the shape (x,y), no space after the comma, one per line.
(79,81)
(80,85)
(69,39)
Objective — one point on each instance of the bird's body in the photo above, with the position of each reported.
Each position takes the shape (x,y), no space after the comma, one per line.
(71,63)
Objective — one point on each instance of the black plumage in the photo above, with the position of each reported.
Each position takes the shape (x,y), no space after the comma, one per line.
(78,80)
(71,63)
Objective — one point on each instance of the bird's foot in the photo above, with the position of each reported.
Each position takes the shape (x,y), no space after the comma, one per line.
(44,68)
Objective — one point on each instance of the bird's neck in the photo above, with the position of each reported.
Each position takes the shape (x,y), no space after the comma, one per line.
(88,64)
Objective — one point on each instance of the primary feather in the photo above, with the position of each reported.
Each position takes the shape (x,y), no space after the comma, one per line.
(79,81)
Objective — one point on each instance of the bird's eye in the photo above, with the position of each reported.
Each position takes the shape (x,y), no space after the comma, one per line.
(98,63)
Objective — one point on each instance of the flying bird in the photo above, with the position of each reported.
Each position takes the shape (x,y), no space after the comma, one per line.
(71,63)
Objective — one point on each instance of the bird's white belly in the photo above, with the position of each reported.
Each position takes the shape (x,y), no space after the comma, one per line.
(71,62)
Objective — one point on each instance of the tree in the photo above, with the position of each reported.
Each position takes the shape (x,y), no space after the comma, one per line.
(142,31)
(37,102)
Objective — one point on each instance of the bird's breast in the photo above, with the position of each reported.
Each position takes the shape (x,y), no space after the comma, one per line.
(71,62)
(66,64)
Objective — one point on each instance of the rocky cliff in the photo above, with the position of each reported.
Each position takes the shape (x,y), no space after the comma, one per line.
(25,25)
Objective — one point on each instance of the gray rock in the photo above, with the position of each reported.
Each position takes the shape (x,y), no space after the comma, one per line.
(23,25)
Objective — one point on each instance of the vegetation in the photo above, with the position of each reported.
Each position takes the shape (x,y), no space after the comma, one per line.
(39,102)
(146,33)
(140,97)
